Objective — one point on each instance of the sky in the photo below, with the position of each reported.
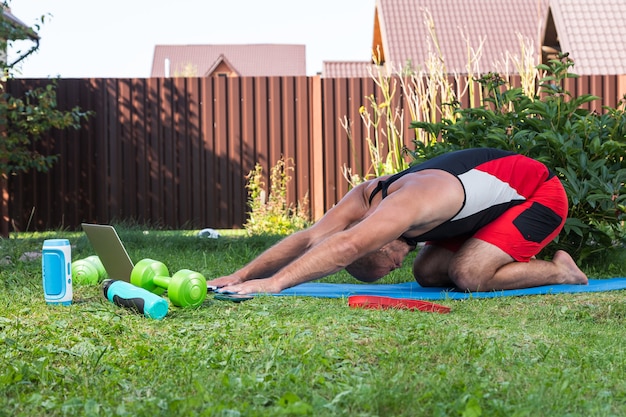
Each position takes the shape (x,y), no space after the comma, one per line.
(116,38)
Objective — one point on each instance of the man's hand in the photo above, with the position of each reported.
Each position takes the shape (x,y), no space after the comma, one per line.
(225,281)
(254,286)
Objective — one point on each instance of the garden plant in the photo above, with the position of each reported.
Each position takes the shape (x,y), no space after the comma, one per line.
(269,210)
(25,119)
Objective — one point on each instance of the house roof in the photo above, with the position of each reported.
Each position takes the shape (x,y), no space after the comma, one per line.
(592,31)
(245,60)
(347,69)
(403,37)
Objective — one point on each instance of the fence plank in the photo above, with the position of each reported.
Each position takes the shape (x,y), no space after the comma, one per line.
(303,138)
(317,151)
(236,183)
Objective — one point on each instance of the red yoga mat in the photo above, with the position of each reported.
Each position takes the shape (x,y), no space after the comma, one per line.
(378,302)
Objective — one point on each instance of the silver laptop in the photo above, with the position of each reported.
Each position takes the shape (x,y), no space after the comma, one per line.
(110,250)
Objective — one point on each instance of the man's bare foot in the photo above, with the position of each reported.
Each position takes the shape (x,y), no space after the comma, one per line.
(572,274)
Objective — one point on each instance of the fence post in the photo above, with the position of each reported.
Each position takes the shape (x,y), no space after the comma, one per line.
(317,163)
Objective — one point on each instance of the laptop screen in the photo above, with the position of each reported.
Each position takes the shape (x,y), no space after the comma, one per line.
(110,250)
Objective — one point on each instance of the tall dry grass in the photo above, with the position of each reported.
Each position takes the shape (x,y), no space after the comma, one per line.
(430,93)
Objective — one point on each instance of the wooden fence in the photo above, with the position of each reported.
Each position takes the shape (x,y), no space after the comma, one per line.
(175,152)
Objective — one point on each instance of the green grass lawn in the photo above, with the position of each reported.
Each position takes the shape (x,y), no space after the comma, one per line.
(551,355)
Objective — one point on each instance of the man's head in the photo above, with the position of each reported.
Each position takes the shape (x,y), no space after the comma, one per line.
(377,264)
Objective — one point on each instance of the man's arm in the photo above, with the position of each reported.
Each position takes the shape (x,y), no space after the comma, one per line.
(334,251)
(415,203)
(350,209)
(269,261)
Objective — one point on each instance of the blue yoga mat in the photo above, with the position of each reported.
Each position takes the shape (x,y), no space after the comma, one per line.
(412,290)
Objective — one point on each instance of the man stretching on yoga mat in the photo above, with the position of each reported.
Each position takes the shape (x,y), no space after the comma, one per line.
(483,213)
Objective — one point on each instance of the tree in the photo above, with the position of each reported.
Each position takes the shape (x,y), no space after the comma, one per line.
(25,120)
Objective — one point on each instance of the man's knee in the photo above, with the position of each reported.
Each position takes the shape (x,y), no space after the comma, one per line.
(429,274)
(428,280)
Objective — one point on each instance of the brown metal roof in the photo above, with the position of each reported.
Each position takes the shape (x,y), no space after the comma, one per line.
(404,37)
(244,60)
(347,69)
(592,31)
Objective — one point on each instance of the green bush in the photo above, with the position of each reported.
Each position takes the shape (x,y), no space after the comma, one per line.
(585,149)
(28,119)
(270,213)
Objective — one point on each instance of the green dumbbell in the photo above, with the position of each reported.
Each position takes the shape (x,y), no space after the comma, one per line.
(185,288)
(88,271)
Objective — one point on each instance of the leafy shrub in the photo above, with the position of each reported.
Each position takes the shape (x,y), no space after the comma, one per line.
(270,213)
(28,119)
(585,149)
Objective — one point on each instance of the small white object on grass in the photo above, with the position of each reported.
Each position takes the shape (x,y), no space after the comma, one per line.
(208,233)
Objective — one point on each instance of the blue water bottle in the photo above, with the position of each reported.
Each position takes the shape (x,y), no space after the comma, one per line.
(127,295)
(56,261)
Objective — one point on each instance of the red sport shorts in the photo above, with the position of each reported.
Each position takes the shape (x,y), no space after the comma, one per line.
(523,230)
